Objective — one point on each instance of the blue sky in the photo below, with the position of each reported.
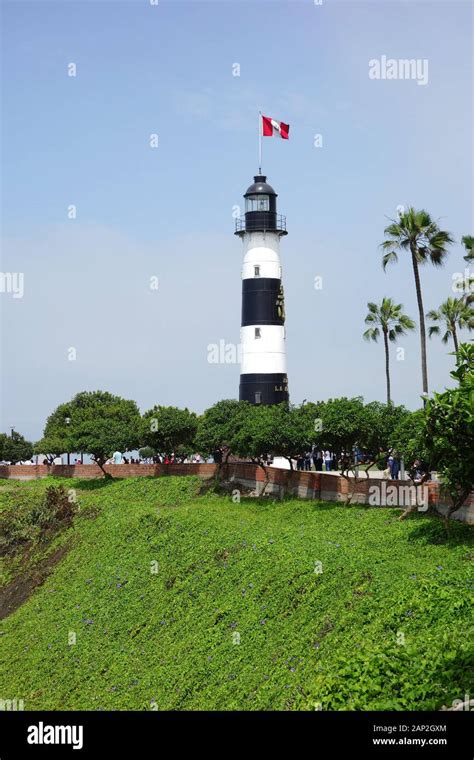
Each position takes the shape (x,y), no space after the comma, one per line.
(167,212)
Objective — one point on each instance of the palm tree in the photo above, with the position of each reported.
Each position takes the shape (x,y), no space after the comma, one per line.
(455,313)
(416,233)
(468,284)
(389,318)
(468,243)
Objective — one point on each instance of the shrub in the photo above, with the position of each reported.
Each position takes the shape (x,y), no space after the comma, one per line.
(29,517)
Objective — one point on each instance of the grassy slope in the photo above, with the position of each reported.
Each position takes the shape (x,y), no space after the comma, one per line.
(165,640)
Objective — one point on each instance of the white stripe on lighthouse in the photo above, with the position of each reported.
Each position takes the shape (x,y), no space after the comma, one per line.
(261,249)
(265,354)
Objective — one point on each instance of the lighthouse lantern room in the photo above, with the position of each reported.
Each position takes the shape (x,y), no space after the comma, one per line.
(263,378)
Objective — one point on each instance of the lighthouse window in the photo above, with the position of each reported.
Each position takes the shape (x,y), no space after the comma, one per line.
(256,271)
(257,332)
(257,203)
(258,397)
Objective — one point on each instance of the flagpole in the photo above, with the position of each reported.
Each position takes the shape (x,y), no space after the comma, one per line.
(259,142)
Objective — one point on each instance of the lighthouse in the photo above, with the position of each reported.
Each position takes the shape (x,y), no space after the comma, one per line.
(263,378)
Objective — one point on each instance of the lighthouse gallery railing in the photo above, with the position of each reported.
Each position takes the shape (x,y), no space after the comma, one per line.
(265,222)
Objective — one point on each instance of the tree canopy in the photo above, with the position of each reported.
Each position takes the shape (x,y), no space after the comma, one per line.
(220,424)
(169,430)
(448,434)
(14,448)
(96,422)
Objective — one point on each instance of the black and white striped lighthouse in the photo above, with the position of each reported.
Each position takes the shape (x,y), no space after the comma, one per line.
(263,378)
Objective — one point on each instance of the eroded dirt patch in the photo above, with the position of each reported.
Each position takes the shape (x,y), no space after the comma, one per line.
(15,593)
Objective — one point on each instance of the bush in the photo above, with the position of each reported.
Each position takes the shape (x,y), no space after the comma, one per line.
(29,517)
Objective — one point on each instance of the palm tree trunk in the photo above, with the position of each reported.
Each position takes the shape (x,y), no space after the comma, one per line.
(421,313)
(387,365)
(455,339)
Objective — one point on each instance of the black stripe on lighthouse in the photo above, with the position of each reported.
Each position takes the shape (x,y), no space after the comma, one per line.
(264,388)
(260,302)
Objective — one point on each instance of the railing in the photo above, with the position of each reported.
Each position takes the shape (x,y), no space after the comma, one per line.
(264,222)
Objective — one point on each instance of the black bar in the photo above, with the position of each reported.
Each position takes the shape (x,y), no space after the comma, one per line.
(137,734)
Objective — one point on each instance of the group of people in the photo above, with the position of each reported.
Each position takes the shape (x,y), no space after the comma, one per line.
(119,458)
(327,461)
(322,461)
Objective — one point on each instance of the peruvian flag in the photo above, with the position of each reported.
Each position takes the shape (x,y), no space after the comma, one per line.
(270,127)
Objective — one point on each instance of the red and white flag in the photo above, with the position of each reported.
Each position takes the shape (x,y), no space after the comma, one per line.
(270,127)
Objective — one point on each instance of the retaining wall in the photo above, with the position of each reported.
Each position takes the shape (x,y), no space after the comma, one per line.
(304,485)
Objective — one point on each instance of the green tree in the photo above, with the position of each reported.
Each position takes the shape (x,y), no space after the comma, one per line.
(169,430)
(381,422)
(99,424)
(344,425)
(407,439)
(219,424)
(449,431)
(15,448)
(57,437)
(416,233)
(50,446)
(294,429)
(253,439)
(455,314)
(3,438)
(348,424)
(273,430)
(387,318)
(276,430)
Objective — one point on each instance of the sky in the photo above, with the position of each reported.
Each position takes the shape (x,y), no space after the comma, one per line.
(130,268)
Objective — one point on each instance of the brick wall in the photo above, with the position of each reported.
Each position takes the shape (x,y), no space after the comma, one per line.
(305,485)
(32,472)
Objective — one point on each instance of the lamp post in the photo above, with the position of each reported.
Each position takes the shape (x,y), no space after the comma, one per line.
(68,422)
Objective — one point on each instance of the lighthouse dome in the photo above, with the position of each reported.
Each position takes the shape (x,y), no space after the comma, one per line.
(260,210)
(260,186)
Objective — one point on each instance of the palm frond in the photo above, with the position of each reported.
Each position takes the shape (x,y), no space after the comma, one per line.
(371,334)
(468,243)
(389,258)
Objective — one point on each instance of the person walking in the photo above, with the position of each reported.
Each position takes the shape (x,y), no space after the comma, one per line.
(327,460)
(393,466)
(318,460)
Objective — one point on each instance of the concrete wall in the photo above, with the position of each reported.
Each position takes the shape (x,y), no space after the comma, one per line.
(304,485)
